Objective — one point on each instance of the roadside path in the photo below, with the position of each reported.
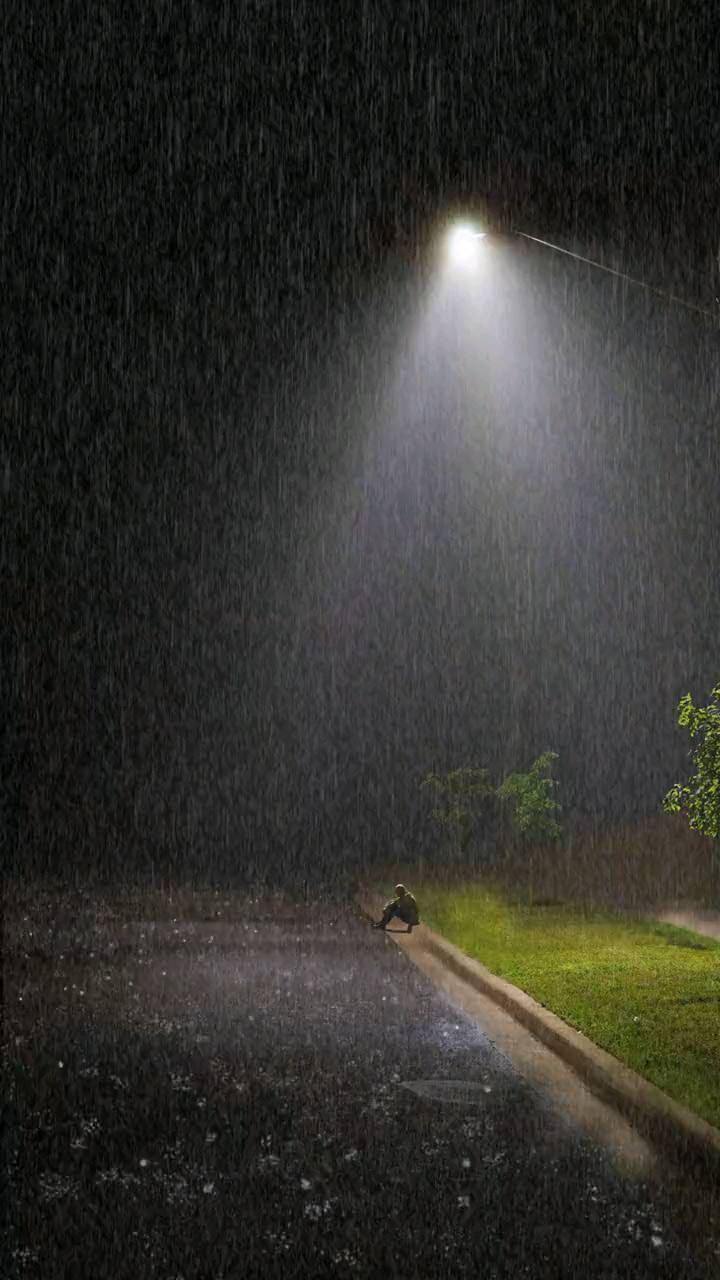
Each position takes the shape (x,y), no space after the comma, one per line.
(694,918)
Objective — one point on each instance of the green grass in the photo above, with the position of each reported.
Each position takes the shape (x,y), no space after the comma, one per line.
(648,993)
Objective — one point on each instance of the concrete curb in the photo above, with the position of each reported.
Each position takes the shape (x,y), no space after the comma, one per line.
(673,1128)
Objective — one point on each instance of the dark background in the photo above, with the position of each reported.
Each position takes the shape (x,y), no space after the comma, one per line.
(251,597)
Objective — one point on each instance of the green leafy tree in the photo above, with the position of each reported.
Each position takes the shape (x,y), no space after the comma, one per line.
(699,797)
(531,800)
(459,797)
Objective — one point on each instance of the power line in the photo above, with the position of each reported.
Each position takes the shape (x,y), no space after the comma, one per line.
(622,275)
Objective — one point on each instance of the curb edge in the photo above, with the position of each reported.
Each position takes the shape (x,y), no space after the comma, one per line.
(672,1126)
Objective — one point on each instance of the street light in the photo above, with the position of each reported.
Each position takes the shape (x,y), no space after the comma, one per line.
(463,253)
(463,244)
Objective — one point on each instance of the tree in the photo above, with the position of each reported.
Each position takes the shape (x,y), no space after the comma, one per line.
(532,804)
(459,795)
(699,797)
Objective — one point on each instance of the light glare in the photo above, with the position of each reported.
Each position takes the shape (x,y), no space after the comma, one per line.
(463,246)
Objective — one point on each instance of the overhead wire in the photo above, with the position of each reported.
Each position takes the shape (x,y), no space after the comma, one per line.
(623,275)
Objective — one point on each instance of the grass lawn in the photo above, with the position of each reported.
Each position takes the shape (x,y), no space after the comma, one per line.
(648,993)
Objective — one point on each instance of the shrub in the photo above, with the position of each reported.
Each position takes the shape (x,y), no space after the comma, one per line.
(459,795)
(699,797)
(531,801)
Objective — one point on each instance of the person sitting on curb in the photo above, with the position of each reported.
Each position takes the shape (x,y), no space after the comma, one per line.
(404,906)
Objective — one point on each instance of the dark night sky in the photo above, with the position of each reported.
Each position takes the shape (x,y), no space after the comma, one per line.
(252,597)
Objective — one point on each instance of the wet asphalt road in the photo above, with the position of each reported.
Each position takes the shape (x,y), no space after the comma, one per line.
(228,1100)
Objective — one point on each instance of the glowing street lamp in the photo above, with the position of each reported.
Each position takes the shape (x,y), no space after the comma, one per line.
(463,243)
(462,252)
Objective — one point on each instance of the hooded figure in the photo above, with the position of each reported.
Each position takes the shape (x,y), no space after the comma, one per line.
(404,906)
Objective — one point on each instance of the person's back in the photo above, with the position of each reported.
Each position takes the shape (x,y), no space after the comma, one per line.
(407,908)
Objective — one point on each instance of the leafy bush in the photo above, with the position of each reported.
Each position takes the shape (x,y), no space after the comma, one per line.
(459,795)
(531,801)
(699,797)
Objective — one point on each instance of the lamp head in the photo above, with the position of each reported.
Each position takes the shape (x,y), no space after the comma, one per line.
(464,245)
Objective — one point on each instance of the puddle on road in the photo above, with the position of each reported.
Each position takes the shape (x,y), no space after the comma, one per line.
(457,1092)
